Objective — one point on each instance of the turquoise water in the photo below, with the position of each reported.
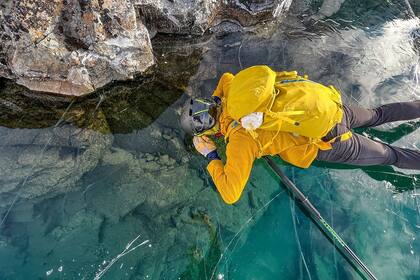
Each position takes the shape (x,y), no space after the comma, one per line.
(110,188)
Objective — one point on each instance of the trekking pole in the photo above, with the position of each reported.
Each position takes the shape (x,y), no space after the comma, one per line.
(322,224)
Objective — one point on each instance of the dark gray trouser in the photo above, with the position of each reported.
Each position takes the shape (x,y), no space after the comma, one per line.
(360,150)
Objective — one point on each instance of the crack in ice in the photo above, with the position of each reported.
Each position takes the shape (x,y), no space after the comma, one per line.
(127,250)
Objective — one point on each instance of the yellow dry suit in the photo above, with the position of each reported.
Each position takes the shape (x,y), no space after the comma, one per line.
(292,127)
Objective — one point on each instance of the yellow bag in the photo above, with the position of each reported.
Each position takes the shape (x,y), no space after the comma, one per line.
(289,102)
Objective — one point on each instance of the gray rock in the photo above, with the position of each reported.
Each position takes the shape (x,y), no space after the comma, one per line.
(72,48)
(49,164)
(178,17)
(194,17)
(75,223)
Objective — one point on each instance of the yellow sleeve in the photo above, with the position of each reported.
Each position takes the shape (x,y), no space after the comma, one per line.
(230,179)
(223,85)
(301,156)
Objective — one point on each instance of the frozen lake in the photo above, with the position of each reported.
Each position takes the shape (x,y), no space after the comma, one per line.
(109,187)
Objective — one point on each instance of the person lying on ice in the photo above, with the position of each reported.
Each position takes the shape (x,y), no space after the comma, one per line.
(261,112)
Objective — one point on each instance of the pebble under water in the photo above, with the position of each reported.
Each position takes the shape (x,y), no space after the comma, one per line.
(109,187)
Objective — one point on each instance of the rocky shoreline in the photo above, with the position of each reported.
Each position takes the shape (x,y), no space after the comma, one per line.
(74,47)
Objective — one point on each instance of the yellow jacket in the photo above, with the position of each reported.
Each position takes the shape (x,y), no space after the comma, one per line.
(241,150)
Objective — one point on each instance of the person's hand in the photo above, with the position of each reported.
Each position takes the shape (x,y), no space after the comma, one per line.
(204,145)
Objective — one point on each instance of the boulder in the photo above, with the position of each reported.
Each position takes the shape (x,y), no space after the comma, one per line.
(47,149)
(50,163)
(178,17)
(72,47)
(195,17)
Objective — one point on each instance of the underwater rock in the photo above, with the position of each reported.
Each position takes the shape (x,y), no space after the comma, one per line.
(75,224)
(115,156)
(48,149)
(171,207)
(65,236)
(71,47)
(152,179)
(51,162)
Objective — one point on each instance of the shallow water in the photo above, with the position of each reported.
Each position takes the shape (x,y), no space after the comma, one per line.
(109,187)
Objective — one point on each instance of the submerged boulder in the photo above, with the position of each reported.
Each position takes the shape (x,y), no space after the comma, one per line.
(46,150)
(51,162)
